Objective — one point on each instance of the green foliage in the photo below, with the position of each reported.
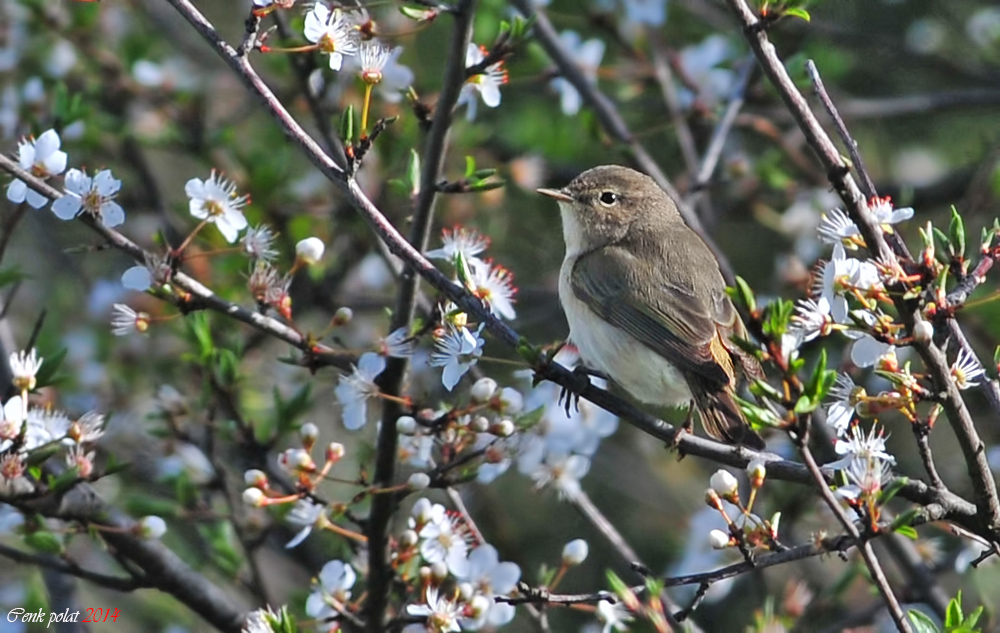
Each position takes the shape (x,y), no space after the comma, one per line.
(817,388)
(48,374)
(777,316)
(221,539)
(742,295)
(955,620)
(288,412)
(44,541)
(956,233)
(347,126)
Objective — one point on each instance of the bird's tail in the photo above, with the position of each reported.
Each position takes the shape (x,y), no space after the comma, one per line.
(723,420)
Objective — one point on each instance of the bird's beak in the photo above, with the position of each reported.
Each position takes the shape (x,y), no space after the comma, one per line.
(558,194)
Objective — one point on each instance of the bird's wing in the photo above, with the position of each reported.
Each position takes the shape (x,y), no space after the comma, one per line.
(670,319)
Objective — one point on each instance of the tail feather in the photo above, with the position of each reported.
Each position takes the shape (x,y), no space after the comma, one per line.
(723,420)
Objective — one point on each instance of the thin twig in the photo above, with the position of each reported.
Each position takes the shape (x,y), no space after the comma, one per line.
(65,566)
(935,362)
(612,121)
(710,160)
(864,547)
(391,381)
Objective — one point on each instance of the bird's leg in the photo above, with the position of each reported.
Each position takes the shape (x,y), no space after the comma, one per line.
(581,381)
(687,427)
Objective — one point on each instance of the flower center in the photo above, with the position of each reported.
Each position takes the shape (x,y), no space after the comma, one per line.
(213,207)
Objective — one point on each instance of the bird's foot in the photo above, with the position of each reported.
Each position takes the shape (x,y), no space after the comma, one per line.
(686,427)
(569,397)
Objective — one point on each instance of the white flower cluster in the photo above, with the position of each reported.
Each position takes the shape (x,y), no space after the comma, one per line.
(845,293)
(25,430)
(446,547)
(347,36)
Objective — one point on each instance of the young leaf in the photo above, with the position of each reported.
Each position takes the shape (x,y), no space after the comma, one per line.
(953,615)
(956,229)
(921,622)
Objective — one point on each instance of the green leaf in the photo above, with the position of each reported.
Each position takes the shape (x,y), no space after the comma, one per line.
(821,380)
(413,174)
(890,491)
(798,13)
(907,531)
(743,295)
(921,622)
(778,315)
(470,167)
(288,412)
(763,389)
(953,615)
(201,334)
(956,229)
(47,373)
(44,541)
(973,619)
(66,480)
(11,275)
(486,186)
(347,125)
(804,405)
(617,584)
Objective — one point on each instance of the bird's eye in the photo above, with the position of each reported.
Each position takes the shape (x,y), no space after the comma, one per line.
(608,198)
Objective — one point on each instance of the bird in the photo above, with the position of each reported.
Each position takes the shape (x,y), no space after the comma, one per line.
(646,301)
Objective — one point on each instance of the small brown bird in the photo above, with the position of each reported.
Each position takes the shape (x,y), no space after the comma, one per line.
(646,302)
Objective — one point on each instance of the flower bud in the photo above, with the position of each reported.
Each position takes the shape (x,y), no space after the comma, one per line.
(342,316)
(480,424)
(408,539)
(419,481)
(466,591)
(923,331)
(425,574)
(255,478)
(308,432)
(724,484)
(439,572)
(334,452)
(756,470)
(253,497)
(296,460)
(483,389)
(575,552)
(503,428)
(151,527)
(406,424)
(718,539)
(310,250)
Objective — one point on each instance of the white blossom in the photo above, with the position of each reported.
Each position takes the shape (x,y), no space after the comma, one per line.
(966,369)
(306,514)
(333,590)
(457,350)
(43,158)
(214,200)
(332,33)
(485,85)
(355,389)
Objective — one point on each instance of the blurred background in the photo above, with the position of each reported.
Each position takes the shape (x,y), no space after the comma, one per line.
(131,87)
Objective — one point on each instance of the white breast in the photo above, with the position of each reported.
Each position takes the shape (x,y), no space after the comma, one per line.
(642,372)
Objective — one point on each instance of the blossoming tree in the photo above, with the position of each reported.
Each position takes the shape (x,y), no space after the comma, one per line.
(269,368)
